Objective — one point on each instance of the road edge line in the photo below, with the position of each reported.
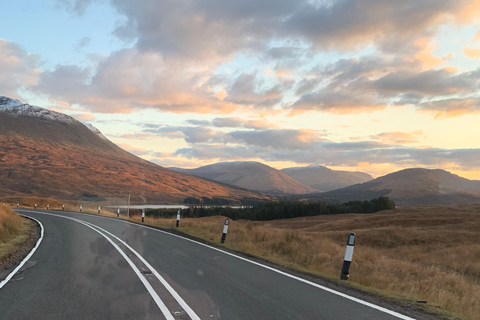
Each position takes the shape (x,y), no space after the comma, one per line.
(148,286)
(332,291)
(42,231)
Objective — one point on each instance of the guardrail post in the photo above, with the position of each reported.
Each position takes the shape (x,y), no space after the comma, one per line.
(225,229)
(143,215)
(347,260)
(178,218)
(118,211)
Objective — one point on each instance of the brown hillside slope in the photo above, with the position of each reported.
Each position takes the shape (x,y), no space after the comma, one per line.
(414,186)
(251,175)
(64,159)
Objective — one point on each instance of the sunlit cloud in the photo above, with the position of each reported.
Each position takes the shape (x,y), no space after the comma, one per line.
(471,53)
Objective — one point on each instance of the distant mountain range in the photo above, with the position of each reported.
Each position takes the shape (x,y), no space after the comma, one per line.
(49,154)
(412,187)
(251,175)
(325,179)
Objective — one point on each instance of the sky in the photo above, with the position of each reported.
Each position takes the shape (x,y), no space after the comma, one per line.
(361,85)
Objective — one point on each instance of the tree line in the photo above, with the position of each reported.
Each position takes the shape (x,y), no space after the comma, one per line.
(279,210)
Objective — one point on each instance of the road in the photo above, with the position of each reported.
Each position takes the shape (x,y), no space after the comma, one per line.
(91,267)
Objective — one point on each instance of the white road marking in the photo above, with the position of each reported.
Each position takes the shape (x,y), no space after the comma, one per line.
(172,291)
(145,282)
(4,282)
(340,294)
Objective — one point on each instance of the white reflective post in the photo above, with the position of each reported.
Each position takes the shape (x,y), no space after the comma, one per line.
(347,260)
(225,229)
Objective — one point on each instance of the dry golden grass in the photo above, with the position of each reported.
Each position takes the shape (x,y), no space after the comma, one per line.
(10,224)
(417,253)
(15,233)
(424,253)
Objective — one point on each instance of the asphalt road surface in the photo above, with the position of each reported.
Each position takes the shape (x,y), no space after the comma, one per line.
(91,267)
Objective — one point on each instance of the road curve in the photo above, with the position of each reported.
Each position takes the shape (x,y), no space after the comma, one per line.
(81,271)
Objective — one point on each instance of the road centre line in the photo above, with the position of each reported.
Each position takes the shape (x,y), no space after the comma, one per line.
(170,289)
(145,282)
(10,276)
(340,294)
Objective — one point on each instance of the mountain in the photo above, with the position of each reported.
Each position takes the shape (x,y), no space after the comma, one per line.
(325,179)
(49,154)
(414,187)
(251,175)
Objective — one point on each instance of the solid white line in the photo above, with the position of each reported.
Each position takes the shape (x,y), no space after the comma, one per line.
(172,291)
(4,282)
(145,282)
(340,294)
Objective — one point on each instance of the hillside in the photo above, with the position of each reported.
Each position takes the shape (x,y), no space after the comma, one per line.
(414,187)
(49,154)
(325,179)
(251,175)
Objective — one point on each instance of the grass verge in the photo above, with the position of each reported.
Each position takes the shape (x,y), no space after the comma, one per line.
(421,254)
(17,235)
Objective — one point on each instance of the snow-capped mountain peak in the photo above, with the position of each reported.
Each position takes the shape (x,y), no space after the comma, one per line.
(6,102)
(94,130)
(17,108)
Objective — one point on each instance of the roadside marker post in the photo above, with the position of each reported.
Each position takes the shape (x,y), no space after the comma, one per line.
(63,207)
(178,218)
(347,260)
(35,206)
(143,215)
(48,206)
(225,229)
(98,209)
(17,205)
(118,211)
(80,208)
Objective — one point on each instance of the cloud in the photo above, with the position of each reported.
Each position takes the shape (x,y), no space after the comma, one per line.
(471,53)
(189,56)
(127,80)
(82,43)
(136,151)
(84,116)
(398,138)
(229,122)
(77,7)
(249,90)
(369,83)
(341,155)
(452,106)
(277,138)
(18,68)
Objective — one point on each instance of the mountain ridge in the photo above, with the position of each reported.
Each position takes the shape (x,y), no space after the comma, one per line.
(49,154)
(414,186)
(250,175)
(325,179)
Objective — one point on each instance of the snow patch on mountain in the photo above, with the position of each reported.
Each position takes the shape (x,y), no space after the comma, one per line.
(18,108)
(94,130)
